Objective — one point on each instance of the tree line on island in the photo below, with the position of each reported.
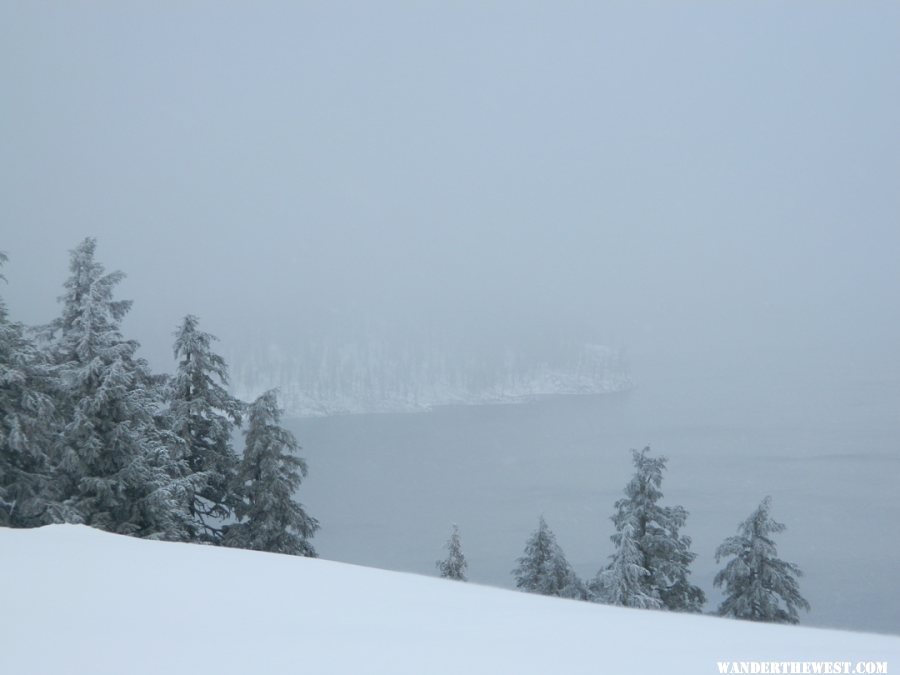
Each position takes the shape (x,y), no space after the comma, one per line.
(650,566)
(88,434)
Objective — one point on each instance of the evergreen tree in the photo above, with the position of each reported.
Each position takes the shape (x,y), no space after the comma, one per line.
(26,427)
(625,581)
(454,565)
(758,585)
(544,568)
(204,415)
(662,551)
(269,474)
(117,469)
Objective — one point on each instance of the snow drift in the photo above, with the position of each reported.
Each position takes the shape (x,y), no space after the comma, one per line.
(78,600)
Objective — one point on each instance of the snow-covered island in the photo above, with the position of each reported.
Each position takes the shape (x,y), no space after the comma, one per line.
(323,378)
(81,602)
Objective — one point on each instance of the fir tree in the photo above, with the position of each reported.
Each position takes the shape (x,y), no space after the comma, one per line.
(454,565)
(117,471)
(661,550)
(27,421)
(268,477)
(204,415)
(758,585)
(544,569)
(625,581)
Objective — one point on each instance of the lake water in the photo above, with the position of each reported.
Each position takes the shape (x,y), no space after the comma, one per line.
(387,488)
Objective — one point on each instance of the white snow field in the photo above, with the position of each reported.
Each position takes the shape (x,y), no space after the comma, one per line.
(76,600)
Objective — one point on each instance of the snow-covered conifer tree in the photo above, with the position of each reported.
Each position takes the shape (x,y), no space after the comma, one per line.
(116,469)
(663,552)
(203,415)
(544,569)
(626,582)
(759,586)
(268,477)
(454,565)
(27,424)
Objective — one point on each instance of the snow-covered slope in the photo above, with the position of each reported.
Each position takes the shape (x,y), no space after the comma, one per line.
(76,600)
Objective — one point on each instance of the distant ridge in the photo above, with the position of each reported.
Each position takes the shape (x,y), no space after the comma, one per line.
(320,379)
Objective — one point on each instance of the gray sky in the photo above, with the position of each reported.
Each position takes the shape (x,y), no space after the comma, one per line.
(687,178)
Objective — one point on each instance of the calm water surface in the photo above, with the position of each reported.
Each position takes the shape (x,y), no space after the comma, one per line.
(827,448)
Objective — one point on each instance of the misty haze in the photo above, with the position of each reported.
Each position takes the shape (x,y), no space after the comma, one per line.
(482,251)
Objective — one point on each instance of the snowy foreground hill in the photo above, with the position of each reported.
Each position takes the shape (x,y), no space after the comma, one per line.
(78,600)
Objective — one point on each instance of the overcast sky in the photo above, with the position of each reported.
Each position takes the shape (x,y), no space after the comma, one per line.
(683,177)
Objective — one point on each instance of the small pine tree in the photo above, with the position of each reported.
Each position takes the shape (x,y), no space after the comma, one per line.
(626,582)
(27,425)
(544,569)
(116,469)
(204,415)
(758,585)
(661,550)
(268,477)
(454,565)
